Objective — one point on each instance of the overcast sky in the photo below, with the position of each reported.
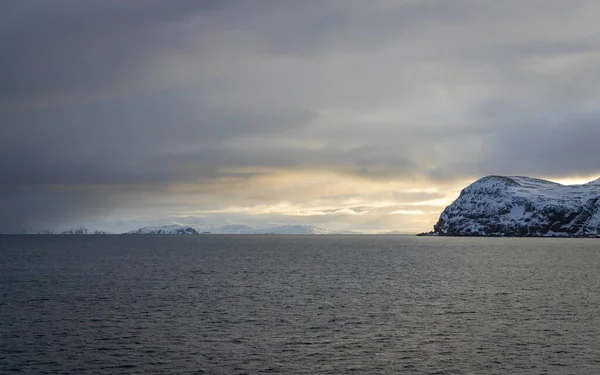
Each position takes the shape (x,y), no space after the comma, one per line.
(346,114)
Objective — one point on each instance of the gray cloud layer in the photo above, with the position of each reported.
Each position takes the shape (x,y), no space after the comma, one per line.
(146,94)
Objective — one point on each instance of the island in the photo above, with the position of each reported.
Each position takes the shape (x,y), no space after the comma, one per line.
(519,206)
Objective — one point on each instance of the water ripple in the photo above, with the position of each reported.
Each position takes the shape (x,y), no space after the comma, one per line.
(298,305)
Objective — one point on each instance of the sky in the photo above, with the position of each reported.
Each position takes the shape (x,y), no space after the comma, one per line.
(345,114)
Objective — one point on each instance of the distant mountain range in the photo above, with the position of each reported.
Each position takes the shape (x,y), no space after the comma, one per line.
(524,207)
(73,231)
(165,229)
(191,230)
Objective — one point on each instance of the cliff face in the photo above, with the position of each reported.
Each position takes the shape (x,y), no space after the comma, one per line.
(523,206)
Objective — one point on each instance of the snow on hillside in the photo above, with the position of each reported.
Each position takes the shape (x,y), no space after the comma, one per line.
(165,229)
(523,206)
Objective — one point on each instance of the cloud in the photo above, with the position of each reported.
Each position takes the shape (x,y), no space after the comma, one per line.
(406,212)
(70,48)
(230,99)
(27,209)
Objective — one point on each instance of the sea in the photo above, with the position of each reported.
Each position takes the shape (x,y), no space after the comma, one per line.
(269,304)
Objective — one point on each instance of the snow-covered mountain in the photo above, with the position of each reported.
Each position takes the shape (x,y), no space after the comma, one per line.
(83,231)
(165,229)
(78,231)
(523,206)
(206,228)
(231,229)
(292,229)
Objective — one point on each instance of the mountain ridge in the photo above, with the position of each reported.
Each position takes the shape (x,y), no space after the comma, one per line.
(184,229)
(165,229)
(73,231)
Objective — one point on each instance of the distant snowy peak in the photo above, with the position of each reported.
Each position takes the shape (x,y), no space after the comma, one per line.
(523,206)
(231,229)
(284,229)
(77,231)
(396,232)
(292,229)
(195,230)
(43,231)
(83,231)
(165,229)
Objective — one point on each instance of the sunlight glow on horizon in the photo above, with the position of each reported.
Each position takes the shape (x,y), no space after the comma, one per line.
(574,180)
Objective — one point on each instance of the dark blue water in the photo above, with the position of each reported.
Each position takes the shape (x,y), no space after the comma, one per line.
(298,305)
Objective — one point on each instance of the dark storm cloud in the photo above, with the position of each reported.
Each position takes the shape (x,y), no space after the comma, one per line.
(149,139)
(66,47)
(148,94)
(550,149)
(27,209)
